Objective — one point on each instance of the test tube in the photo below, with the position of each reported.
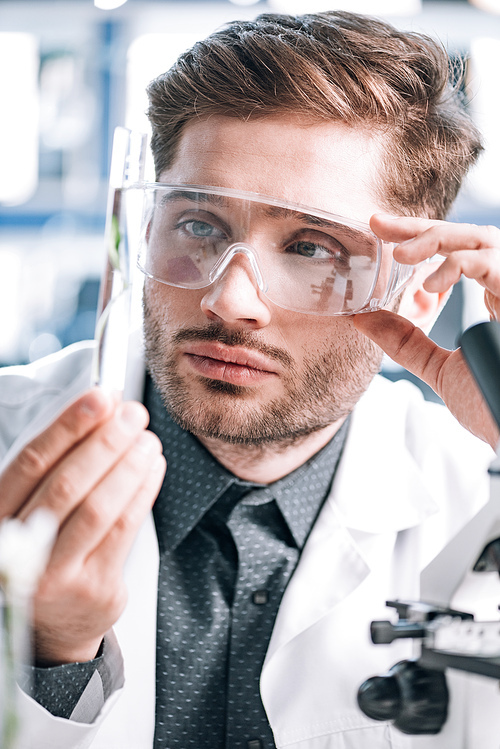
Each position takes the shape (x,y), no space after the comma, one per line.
(114,310)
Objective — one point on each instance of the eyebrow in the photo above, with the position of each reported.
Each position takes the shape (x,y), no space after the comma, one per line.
(322,223)
(195,197)
(275,211)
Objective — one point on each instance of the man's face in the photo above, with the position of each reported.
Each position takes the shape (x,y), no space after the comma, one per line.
(229,363)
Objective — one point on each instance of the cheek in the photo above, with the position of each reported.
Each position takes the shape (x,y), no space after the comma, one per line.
(334,343)
(169,304)
(320,333)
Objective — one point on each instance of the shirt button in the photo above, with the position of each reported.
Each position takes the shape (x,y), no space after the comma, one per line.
(259,597)
(254,744)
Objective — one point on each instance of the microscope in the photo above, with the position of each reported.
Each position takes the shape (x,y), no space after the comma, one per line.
(414,694)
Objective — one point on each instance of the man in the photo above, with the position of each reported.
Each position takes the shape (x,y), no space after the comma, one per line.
(301,491)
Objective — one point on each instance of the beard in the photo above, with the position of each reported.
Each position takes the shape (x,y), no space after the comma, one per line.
(325,391)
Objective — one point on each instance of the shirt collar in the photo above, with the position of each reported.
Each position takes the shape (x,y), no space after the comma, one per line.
(195,480)
(300,494)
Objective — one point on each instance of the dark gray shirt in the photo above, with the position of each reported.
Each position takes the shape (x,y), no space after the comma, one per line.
(227,551)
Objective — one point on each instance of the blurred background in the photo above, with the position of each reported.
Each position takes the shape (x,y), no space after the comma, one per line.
(72,70)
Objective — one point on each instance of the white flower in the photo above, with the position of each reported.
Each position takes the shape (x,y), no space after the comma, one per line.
(24,551)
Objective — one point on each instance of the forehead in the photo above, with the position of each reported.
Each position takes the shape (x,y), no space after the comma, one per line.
(329,166)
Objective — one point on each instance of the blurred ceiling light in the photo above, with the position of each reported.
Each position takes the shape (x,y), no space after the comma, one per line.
(109,4)
(492,6)
(19,63)
(484,65)
(244,2)
(372,7)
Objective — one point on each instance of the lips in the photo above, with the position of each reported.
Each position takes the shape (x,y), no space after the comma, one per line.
(235,365)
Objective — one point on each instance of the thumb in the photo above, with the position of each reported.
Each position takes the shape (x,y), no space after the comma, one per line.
(405,344)
(444,371)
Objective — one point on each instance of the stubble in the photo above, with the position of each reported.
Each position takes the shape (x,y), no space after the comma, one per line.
(324,391)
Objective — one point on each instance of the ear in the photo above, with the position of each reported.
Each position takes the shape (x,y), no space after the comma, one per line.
(419,306)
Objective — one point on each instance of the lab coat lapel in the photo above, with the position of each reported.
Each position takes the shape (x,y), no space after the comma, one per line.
(330,568)
(378,489)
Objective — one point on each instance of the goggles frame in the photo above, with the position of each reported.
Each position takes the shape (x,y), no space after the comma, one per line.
(399,275)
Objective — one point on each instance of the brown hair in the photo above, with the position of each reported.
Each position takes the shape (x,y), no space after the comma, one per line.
(333,66)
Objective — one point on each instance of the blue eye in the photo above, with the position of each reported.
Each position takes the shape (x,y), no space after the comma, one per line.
(202,229)
(310,249)
(331,252)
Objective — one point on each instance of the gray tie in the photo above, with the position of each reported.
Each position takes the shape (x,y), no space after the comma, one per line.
(267,556)
(219,595)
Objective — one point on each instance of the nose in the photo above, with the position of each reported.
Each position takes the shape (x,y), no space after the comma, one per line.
(235,296)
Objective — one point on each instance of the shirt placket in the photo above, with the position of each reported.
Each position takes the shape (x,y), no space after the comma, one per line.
(267,557)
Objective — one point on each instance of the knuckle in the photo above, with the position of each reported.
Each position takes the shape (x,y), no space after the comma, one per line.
(126,520)
(406,339)
(108,439)
(93,515)
(117,597)
(131,518)
(134,461)
(63,492)
(85,589)
(142,503)
(32,461)
(453,261)
(438,238)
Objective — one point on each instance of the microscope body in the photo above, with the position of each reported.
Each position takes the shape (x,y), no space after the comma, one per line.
(414,694)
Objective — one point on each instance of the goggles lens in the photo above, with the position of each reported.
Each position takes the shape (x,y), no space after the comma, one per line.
(302,259)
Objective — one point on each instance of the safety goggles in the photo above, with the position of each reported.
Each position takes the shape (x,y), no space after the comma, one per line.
(300,258)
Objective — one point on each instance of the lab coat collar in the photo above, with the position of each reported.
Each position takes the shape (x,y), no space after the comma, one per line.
(373,496)
(379,486)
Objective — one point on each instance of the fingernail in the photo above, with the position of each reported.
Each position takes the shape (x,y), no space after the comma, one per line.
(132,415)
(93,403)
(147,443)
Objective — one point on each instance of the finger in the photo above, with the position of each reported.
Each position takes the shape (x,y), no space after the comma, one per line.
(84,466)
(35,460)
(94,518)
(483,267)
(400,228)
(115,547)
(406,344)
(492,303)
(422,238)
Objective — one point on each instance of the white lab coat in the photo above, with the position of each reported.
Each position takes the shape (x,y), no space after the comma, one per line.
(409,477)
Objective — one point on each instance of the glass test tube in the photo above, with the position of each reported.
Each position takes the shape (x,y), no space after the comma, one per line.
(114,311)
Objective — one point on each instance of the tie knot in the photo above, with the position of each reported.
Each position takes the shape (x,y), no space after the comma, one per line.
(226,503)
